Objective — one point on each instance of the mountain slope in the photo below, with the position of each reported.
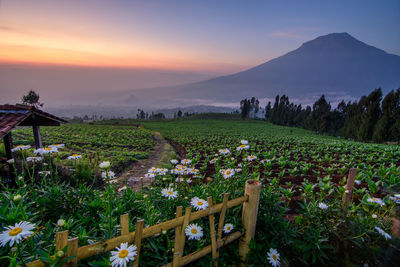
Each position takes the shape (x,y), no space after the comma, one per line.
(336,64)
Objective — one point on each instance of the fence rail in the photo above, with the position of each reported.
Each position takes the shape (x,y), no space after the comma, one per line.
(250,202)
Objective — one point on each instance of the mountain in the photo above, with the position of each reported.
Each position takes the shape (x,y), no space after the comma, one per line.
(337,65)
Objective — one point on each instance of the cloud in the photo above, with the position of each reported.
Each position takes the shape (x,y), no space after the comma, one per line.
(295,33)
(286,35)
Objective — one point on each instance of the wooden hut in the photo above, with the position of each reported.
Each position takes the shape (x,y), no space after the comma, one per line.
(24,115)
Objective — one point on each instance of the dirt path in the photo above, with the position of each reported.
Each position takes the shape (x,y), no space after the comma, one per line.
(161,155)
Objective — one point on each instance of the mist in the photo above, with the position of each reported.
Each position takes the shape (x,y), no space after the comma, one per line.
(60,86)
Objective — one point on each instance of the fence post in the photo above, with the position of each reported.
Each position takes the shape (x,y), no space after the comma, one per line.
(124,221)
(72,251)
(249,216)
(349,189)
(61,241)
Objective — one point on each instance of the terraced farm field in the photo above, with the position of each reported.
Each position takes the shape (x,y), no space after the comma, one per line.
(121,145)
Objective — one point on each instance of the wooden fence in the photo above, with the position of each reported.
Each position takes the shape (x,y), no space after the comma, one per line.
(250,202)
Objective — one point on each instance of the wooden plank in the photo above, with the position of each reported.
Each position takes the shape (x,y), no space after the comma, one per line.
(177,235)
(72,251)
(124,221)
(138,240)
(222,215)
(211,220)
(206,250)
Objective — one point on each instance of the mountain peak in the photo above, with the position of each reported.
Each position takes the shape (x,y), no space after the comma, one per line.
(338,42)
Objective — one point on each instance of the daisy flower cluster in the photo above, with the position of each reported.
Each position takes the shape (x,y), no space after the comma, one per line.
(47,150)
(158,171)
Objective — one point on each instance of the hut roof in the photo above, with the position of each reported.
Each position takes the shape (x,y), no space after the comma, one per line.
(24,115)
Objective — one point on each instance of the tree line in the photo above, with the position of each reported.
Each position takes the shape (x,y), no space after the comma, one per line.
(372,118)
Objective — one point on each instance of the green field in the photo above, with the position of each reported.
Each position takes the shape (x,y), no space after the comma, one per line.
(303,176)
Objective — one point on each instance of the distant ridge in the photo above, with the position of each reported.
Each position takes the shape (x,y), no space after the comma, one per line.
(337,65)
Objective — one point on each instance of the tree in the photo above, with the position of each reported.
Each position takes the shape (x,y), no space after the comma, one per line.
(371,113)
(31,98)
(179,113)
(268,111)
(320,115)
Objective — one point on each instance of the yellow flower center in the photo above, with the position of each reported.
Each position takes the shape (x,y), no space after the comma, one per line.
(75,155)
(228,172)
(48,148)
(228,228)
(374,199)
(274,257)
(200,203)
(170,193)
(193,231)
(123,253)
(15,231)
(242,145)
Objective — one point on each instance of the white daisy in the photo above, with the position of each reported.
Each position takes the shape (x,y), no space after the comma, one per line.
(20,147)
(244,142)
(193,231)
(33,159)
(75,156)
(228,228)
(242,147)
(11,161)
(323,206)
(169,193)
(224,151)
(186,161)
(179,180)
(251,158)
(47,150)
(152,170)
(174,161)
(149,175)
(110,174)
(273,257)
(396,198)
(198,203)
(57,145)
(45,173)
(123,255)
(357,182)
(376,200)
(104,165)
(383,233)
(227,173)
(14,234)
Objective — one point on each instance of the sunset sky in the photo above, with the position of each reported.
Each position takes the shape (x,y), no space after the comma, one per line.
(208,36)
